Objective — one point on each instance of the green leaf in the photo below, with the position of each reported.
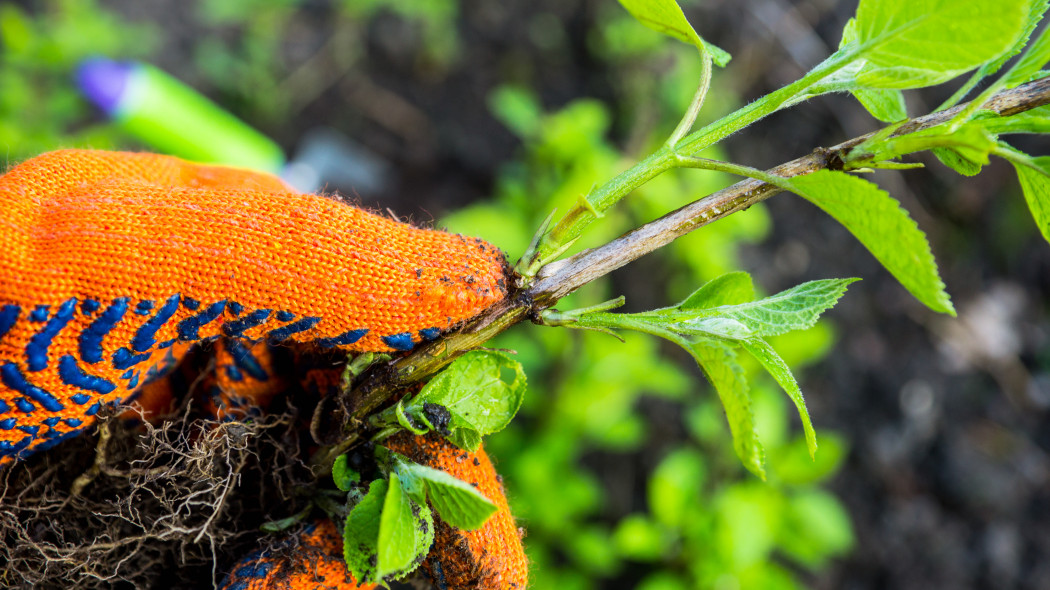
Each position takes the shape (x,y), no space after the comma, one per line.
(466,439)
(797,308)
(727,376)
(884,104)
(728,289)
(954,160)
(482,391)
(1036,10)
(972,141)
(1029,67)
(665,16)
(343,476)
(361,533)
(1034,121)
(771,361)
(1035,184)
(878,221)
(1038,52)
(720,56)
(457,502)
(406,531)
(915,43)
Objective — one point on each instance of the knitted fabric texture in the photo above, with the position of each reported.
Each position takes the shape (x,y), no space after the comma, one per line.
(310,561)
(489,558)
(158,395)
(110,260)
(243,380)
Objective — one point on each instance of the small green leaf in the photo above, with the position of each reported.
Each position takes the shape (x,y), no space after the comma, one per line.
(457,502)
(665,16)
(720,56)
(878,221)
(466,439)
(409,422)
(343,476)
(728,289)
(411,483)
(972,141)
(1038,52)
(954,160)
(727,376)
(1034,121)
(771,361)
(797,308)
(361,533)
(915,43)
(359,365)
(482,391)
(1035,184)
(883,104)
(406,531)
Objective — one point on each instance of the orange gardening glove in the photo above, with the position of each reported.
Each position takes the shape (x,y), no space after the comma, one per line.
(312,560)
(112,264)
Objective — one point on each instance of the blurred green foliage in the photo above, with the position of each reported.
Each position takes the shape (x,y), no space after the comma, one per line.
(700,521)
(248,67)
(40,108)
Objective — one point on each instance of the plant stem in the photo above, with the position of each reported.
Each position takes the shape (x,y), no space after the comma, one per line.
(579,217)
(687,122)
(1017,157)
(727,167)
(571,226)
(970,109)
(558,279)
(565,276)
(762,107)
(965,89)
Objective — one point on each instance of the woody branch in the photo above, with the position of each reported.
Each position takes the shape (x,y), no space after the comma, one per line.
(560,278)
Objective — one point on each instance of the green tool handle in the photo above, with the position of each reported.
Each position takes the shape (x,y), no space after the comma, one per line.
(174,118)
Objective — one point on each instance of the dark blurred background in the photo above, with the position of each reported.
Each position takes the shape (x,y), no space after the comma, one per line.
(933,470)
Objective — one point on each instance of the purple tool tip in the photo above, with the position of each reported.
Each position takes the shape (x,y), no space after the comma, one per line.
(103,81)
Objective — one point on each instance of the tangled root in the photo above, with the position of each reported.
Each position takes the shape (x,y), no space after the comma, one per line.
(139,506)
